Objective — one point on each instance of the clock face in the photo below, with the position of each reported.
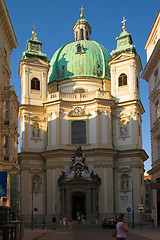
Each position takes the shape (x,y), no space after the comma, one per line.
(78,110)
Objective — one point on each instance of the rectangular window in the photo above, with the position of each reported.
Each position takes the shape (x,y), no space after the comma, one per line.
(78,132)
(157,110)
(158,146)
(156,76)
(6,141)
(7,110)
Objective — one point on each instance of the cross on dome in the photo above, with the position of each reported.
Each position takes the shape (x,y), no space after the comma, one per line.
(124,24)
(81,15)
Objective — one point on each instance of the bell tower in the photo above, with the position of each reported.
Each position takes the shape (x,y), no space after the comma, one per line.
(125,68)
(33,70)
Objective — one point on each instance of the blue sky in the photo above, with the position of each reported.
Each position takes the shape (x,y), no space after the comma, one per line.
(55,20)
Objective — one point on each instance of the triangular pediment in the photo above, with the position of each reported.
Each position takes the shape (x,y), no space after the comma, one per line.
(122,57)
(36,60)
(32,61)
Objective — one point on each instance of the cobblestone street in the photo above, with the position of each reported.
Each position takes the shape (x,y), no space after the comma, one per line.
(87,232)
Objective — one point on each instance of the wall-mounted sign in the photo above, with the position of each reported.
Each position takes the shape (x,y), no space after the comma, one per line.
(3,184)
(128,209)
(124,198)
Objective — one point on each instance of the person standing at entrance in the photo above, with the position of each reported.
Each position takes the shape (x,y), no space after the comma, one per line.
(70,223)
(54,220)
(122,227)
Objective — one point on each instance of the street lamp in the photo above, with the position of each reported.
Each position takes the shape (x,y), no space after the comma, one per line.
(32,204)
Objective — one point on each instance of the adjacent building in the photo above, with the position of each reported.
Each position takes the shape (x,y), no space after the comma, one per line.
(81,129)
(147,181)
(151,74)
(9,107)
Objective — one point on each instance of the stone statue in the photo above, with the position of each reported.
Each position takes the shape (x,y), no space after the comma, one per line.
(79,151)
(36,184)
(36,131)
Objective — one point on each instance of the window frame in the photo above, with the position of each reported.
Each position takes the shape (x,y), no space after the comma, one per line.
(158,145)
(122,80)
(81,34)
(36,83)
(157,108)
(156,75)
(74,139)
(79,90)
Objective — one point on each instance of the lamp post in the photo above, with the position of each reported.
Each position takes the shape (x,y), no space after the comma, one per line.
(133,225)
(32,204)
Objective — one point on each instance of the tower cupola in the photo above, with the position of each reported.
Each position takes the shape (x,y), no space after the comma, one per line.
(82,29)
(34,48)
(124,43)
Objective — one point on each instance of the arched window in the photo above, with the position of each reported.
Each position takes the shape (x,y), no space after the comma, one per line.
(79,90)
(35,84)
(122,80)
(79,48)
(81,34)
(87,35)
(78,132)
(76,35)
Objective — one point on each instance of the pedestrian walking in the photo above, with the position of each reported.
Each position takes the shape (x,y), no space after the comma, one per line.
(54,220)
(70,223)
(122,227)
(79,219)
(64,222)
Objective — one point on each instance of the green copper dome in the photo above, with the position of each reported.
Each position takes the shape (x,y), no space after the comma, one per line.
(83,58)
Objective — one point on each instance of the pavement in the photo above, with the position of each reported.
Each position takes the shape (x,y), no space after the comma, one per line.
(147,232)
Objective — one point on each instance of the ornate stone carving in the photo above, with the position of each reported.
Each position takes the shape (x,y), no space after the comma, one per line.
(79,169)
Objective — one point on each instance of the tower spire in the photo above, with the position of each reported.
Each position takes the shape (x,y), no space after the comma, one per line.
(34,28)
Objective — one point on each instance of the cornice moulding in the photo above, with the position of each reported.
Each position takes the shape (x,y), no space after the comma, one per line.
(7,25)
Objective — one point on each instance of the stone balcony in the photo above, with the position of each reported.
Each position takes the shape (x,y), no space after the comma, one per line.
(79,97)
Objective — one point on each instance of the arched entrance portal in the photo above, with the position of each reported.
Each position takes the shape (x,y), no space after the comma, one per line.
(78,205)
(79,189)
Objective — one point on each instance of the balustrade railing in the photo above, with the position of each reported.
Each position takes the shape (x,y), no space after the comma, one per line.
(79,96)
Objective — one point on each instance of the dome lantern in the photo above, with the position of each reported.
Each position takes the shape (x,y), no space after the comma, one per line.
(82,29)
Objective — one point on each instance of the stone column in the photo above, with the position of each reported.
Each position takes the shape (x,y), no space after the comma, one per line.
(88,204)
(68,202)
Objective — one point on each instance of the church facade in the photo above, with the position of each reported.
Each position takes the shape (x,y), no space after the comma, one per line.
(81,129)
